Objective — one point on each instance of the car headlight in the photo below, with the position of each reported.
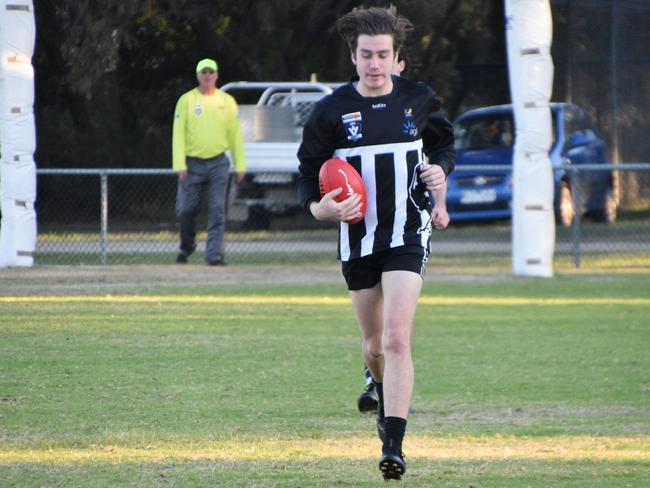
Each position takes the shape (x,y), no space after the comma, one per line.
(479,180)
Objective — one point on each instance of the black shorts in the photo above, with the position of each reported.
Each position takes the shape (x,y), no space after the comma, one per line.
(366,272)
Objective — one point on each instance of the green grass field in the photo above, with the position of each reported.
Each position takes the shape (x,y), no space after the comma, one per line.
(519,383)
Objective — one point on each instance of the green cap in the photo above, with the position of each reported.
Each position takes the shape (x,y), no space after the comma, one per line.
(207,63)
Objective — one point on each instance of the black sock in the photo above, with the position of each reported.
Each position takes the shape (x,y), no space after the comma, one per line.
(394,434)
(379,388)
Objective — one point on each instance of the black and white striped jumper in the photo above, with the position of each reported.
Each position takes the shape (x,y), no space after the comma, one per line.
(386,139)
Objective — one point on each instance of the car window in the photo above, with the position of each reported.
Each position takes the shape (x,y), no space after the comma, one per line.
(485,132)
(490,131)
(577,124)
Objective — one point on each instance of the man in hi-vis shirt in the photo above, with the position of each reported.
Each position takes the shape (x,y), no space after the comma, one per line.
(206,125)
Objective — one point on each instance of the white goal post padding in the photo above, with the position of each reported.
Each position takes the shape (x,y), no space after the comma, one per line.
(529,31)
(17,134)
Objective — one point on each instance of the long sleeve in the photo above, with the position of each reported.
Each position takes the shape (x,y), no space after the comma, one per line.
(178,135)
(236,140)
(317,146)
(438,138)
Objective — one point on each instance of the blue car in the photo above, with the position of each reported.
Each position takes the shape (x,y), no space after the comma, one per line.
(485,136)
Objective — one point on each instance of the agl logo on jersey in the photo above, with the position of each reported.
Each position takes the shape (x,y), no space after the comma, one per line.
(352,124)
(409,125)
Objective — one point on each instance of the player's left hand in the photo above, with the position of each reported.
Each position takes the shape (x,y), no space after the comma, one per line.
(433,176)
(440,218)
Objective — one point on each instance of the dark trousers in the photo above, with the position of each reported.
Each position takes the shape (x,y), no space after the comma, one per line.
(209,177)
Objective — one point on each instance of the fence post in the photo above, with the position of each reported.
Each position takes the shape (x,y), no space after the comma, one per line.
(577,207)
(103,238)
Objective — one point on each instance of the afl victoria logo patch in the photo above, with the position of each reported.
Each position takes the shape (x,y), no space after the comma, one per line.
(352,124)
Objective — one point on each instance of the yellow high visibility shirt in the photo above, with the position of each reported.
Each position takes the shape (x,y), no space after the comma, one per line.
(206,126)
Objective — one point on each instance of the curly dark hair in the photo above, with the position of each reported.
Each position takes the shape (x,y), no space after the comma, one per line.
(374,21)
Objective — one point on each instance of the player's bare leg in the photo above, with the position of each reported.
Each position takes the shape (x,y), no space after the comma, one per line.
(369,305)
(385,314)
(401,290)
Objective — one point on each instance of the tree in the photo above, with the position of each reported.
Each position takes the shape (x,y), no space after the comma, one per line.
(108,73)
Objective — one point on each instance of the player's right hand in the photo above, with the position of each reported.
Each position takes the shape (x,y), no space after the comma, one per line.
(330,210)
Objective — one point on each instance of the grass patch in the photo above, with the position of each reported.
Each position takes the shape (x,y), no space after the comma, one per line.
(630,263)
(521,382)
(240,258)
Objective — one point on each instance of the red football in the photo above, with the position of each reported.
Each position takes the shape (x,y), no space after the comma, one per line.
(336,173)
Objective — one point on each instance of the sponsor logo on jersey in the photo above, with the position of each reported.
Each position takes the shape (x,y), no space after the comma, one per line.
(378,106)
(198,110)
(409,127)
(352,123)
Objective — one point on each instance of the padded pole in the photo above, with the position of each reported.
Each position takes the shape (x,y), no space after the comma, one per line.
(529,29)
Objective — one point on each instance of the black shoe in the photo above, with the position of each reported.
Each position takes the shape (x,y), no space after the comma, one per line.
(368,400)
(392,465)
(184,255)
(381,423)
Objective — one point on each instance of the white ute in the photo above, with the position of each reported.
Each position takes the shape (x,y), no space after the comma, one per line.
(272,129)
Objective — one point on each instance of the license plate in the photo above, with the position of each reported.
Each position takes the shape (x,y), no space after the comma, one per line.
(487,195)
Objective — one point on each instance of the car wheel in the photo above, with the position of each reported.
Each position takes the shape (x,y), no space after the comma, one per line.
(608,213)
(565,211)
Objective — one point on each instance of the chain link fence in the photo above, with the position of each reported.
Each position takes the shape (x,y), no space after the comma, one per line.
(116,216)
